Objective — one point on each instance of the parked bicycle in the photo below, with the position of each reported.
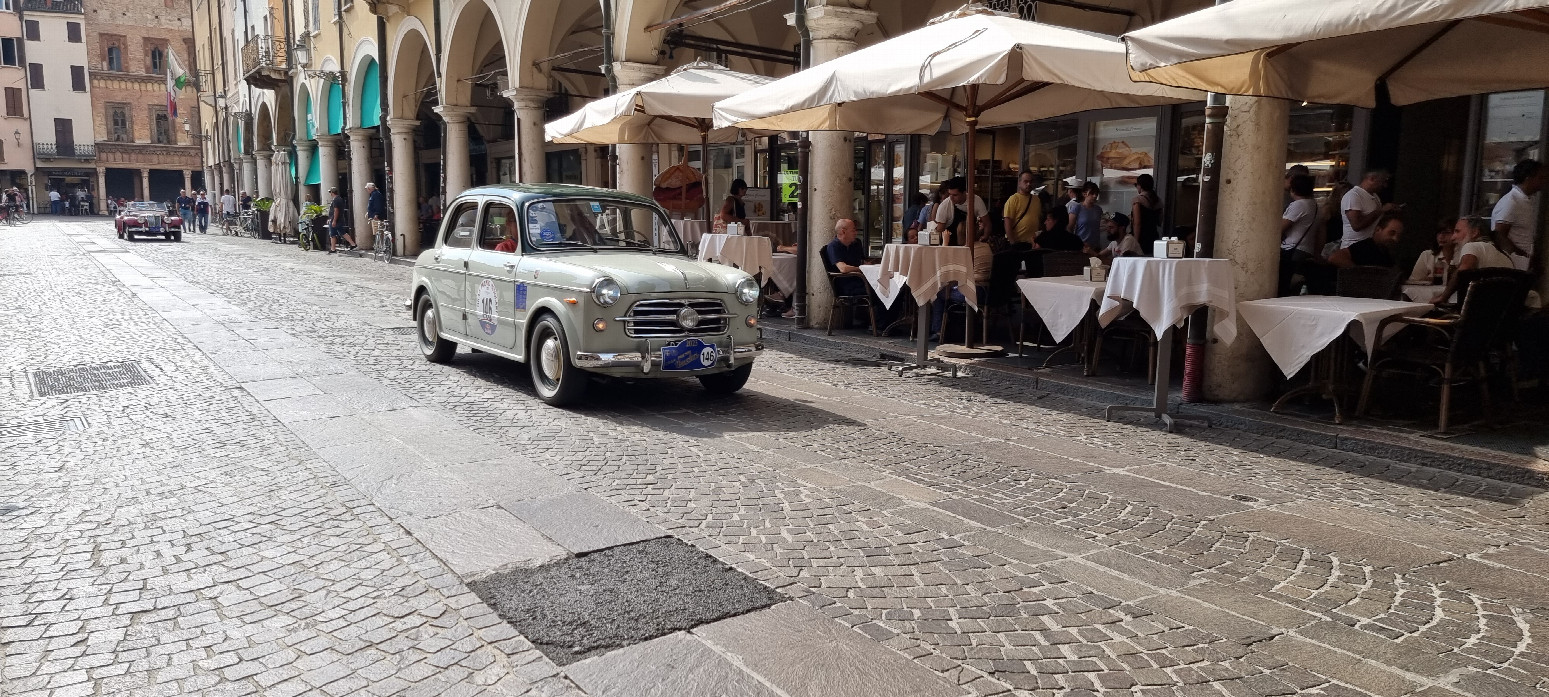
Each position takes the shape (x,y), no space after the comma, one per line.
(304,235)
(248,224)
(382,247)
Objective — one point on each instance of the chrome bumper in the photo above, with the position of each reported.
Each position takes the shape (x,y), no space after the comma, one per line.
(646,363)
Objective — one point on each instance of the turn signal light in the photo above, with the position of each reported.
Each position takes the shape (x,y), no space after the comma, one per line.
(599,324)
(751,321)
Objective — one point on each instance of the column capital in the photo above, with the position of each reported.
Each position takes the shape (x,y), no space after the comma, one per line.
(359,133)
(263,154)
(452,113)
(306,146)
(330,140)
(402,126)
(244,158)
(830,23)
(630,74)
(527,98)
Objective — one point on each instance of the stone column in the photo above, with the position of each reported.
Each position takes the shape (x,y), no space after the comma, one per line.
(327,166)
(459,169)
(188,182)
(405,186)
(145,184)
(265,167)
(304,155)
(249,174)
(635,174)
(102,189)
(1252,171)
(360,174)
(531,162)
(831,164)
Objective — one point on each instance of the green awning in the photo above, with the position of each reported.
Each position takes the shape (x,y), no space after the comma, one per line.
(335,109)
(314,176)
(370,96)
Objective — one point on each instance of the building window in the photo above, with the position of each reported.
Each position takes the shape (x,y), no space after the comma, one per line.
(118,124)
(161,128)
(32,30)
(35,75)
(73,32)
(313,4)
(13,101)
(78,78)
(158,62)
(2,151)
(8,52)
(115,58)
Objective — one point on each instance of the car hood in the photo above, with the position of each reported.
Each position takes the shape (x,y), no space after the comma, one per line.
(660,273)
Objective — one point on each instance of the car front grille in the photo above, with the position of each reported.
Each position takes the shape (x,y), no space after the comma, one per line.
(658,319)
(151,221)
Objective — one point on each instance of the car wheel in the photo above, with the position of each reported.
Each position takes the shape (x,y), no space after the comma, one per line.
(435,348)
(128,235)
(120,233)
(177,236)
(556,379)
(727,382)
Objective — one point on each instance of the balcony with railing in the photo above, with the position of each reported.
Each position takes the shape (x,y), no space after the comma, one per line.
(76,151)
(74,7)
(265,60)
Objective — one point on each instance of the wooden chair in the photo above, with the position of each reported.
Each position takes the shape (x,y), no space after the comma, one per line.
(847,300)
(1462,343)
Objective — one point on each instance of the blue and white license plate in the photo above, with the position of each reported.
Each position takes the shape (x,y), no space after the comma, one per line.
(689,354)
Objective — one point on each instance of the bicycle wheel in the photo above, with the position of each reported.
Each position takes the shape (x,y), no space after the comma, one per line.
(305,239)
(20,216)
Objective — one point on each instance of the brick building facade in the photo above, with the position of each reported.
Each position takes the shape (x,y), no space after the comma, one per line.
(143,150)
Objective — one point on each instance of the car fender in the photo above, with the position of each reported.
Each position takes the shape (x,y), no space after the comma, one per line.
(559,309)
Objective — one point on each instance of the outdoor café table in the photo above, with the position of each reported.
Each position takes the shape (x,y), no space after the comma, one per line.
(1063,303)
(1422,293)
(1164,292)
(1297,328)
(779,231)
(927,270)
(751,254)
(783,272)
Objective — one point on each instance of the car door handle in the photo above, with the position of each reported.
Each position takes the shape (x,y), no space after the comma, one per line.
(510,265)
(437,257)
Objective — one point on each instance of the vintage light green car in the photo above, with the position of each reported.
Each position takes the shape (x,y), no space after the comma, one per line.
(573,279)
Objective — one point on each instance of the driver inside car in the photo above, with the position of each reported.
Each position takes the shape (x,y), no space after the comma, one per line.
(508,239)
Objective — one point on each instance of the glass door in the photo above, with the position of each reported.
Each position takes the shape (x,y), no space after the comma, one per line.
(1513,132)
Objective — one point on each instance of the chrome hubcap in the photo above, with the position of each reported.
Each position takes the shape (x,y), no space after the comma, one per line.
(548,358)
(429,330)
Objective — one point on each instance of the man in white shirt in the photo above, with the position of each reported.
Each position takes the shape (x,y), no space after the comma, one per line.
(54,201)
(1515,218)
(956,219)
(228,203)
(1362,208)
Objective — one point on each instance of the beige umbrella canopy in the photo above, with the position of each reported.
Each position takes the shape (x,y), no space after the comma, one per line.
(283,215)
(673,110)
(1338,52)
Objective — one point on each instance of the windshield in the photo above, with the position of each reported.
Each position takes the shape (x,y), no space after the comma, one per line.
(599,224)
(146,207)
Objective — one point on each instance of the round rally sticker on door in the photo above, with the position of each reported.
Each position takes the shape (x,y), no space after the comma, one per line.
(487,298)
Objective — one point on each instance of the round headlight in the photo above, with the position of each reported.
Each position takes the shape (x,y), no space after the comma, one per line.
(747,291)
(606,292)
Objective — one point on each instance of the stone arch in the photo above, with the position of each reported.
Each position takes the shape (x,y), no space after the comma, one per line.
(476,33)
(364,85)
(411,69)
(263,127)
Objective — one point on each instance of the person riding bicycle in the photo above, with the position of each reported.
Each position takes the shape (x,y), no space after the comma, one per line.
(376,209)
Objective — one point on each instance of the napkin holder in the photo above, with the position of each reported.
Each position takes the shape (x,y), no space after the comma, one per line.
(1096,272)
(734,228)
(1167,248)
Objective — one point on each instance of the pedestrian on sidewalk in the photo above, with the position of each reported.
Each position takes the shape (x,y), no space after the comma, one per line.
(228,204)
(185,205)
(56,202)
(376,209)
(338,222)
(202,210)
(246,201)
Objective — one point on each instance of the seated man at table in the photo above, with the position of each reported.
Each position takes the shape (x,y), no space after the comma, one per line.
(1055,237)
(1376,250)
(846,254)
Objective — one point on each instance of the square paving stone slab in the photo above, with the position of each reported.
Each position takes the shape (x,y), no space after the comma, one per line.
(676,665)
(584,606)
(582,522)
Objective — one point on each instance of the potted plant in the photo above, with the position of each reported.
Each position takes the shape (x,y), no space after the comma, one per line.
(262,205)
(313,213)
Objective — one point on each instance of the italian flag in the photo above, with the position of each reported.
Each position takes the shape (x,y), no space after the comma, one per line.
(176,79)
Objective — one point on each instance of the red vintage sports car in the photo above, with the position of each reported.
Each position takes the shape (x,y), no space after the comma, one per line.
(148,218)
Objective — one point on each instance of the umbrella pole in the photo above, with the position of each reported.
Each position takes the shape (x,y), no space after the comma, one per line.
(972,115)
(704,168)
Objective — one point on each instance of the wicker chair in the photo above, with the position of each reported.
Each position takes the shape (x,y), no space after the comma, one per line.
(1379,282)
(847,300)
(1464,341)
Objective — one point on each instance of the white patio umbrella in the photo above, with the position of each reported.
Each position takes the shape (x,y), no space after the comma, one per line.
(1337,52)
(283,214)
(675,110)
(974,68)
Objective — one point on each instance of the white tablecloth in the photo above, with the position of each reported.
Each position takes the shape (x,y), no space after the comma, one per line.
(692,231)
(1061,301)
(751,254)
(1165,291)
(1296,328)
(887,292)
(1423,293)
(783,272)
(929,269)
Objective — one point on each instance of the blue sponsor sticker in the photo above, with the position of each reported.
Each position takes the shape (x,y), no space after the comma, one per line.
(689,354)
(596,207)
(548,232)
(521,296)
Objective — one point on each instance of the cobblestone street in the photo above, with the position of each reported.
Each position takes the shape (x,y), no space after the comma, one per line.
(273,493)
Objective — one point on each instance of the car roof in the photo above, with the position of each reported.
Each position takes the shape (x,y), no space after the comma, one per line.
(523,192)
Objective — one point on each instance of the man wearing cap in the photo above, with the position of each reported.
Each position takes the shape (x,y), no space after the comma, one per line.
(338,222)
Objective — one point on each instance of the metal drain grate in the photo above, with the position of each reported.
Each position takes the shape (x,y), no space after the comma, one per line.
(87,378)
(405,331)
(52,427)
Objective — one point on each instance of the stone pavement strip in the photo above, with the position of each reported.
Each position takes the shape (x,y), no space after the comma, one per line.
(296,502)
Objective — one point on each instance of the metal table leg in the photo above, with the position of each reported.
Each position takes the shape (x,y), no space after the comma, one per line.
(1158,407)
